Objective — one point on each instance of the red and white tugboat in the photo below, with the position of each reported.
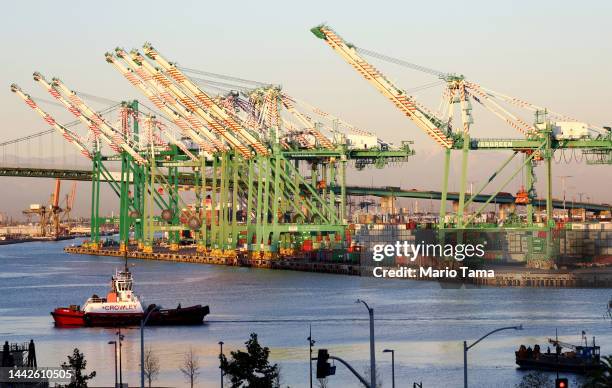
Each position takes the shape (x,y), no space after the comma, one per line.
(121,307)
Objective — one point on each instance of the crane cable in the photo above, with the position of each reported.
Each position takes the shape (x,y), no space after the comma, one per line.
(222,76)
(493,93)
(402,62)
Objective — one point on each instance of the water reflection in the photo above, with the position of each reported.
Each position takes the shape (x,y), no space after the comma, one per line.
(423,322)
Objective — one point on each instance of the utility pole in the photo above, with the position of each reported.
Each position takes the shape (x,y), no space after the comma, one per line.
(143,322)
(220,358)
(115,347)
(120,337)
(311,343)
(372,345)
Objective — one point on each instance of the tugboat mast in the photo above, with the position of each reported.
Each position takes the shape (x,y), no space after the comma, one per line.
(125,256)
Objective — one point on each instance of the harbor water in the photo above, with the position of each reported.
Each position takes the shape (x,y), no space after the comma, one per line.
(424,322)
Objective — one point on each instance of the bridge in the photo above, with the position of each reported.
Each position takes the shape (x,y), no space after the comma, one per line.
(384,191)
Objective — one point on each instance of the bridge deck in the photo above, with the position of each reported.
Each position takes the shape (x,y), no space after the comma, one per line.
(186,179)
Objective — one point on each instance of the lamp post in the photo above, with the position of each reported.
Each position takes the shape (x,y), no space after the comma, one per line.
(115,343)
(220,355)
(563,178)
(392,365)
(372,347)
(143,322)
(120,337)
(466,348)
(311,343)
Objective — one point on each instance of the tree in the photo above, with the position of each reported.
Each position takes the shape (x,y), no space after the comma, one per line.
(251,368)
(535,380)
(151,366)
(602,377)
(191,367)
(77,364)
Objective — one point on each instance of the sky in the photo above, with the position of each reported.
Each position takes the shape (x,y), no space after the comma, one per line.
(553,53)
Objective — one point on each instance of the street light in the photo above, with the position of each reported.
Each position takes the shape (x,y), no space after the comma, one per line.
(372,350)
(392,365)
(220,365)
(120,338)
(466,348)
(311,343)
(563,178)
(143,322)
(115,343)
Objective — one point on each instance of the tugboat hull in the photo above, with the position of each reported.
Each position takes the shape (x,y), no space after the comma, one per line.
(69,317)
(193,315)
(112,320)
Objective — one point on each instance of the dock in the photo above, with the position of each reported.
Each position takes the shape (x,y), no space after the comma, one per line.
(504,276)
(191,256)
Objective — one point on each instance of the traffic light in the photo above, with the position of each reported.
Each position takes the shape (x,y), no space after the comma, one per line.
(561,383)
(324,368)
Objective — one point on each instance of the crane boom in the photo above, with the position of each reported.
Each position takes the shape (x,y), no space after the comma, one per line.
(95,118)
(147,88)
(56,194)
(75,112)
(176,119)
(562,344)
(407,104)
(300,137)
(178,143)
(329,116)
(70,202)
(205,100)
(71,137)
(185,121)
(512,120)
(288,104)
(161,85)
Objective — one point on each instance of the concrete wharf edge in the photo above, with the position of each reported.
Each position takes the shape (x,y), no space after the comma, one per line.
(520,277)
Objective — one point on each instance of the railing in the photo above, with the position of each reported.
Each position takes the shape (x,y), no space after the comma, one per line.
(96,300)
